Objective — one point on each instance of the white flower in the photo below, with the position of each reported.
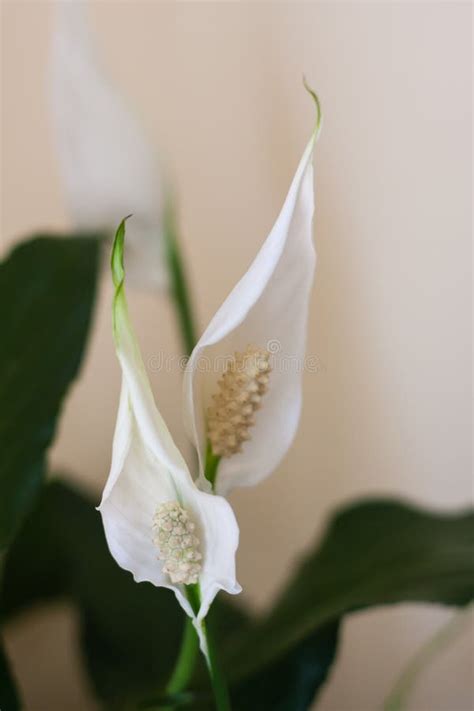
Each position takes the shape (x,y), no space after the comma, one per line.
(158,524)
(107,166)
(243,421)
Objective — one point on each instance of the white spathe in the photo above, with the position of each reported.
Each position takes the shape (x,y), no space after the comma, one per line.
(148,470)
(107,166)
(268,308)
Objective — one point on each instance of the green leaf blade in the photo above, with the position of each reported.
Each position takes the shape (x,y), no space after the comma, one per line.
(47,290)
(374,553)
(9,698)
(291,682)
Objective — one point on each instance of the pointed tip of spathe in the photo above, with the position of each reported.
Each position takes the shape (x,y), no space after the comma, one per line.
(315,97)
(116,259)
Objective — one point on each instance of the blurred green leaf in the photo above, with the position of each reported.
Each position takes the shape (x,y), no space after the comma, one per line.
(9,700)
(373,553)
(47,289)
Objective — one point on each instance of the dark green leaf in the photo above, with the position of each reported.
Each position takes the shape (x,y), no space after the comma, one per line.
(183,699)
(9,700)
(47,288)
(374,553)
(292,681)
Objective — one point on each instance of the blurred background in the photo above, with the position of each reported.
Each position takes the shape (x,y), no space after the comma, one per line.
(218,89)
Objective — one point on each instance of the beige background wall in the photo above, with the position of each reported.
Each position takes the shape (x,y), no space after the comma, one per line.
(218,86)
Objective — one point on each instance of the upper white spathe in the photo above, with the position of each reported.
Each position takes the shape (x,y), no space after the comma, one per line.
(107,167)
(148,470)
(269,309)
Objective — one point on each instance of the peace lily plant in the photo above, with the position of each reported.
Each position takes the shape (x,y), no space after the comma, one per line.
(160,524)
(164,523)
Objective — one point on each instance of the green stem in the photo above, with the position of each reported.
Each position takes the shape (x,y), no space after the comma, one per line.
(185,663)
(178,283)
(219,685)
(188,654)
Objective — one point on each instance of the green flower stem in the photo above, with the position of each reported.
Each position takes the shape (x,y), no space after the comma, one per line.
(188,654)
(219,685)
(186,661)
(178,283)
